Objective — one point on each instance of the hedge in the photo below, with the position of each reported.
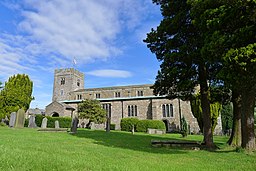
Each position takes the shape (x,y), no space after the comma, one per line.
(143,125)
(128,123)
(64,122)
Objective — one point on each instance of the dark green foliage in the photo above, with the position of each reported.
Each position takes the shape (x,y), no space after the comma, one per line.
(38,120)
(184,127)
(26,122)
(112,126)
(64,122)
(16,94)
(143,125)
(92,110)
(196,108)
(227,117)
(128,123)
(140,125)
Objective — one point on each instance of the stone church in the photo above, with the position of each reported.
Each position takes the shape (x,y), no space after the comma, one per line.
(119,101)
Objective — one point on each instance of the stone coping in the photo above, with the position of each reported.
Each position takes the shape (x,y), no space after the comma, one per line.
(53,129)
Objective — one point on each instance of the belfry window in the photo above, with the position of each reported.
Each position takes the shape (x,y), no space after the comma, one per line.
(62,81)
(78,82)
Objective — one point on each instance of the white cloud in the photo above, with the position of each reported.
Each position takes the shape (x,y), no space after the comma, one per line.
(110,73)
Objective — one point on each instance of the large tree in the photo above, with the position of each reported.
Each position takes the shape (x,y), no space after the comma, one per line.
(230,27)
(16,94)
(177,43)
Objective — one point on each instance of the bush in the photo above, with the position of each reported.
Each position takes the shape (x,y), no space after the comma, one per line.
(64,122)
(112,126)
(128,123)
(143,125)
(2,124)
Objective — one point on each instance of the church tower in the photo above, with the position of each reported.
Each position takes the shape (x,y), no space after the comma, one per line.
(66,81)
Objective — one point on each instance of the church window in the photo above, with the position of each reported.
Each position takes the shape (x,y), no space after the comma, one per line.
(167,110)
(78,82)
(132,110)
(79,96)
(97,95)
(107,107)
(117,94)
(62,81)
(140,93)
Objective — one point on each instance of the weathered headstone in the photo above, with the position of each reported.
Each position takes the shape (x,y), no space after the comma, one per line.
(92,126)
(20,119)
(57,125)
(32,122)
(12,119)
(44,123)
(74,123)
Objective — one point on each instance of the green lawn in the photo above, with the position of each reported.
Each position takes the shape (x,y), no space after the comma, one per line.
(28,149)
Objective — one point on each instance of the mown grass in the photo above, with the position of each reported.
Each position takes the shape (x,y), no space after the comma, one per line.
(28,149)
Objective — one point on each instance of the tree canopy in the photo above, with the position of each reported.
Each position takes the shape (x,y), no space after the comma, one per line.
(16,94)
(208,42)
(92,110)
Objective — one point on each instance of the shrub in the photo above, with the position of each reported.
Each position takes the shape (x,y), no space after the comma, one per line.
(2,124)
(143,125)
(64,122)
(184,127)
(128,123)
(112,126)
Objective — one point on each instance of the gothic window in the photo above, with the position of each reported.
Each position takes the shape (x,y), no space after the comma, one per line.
(140,93)
(62,81)
(78,82)
(97,95)
(107,107)
(117,94)
(167,110)
(132,110)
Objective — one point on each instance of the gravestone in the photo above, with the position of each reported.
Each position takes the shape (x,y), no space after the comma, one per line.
(20,119)
(44,123)
(74,123)
(12,119)
(32,122)
(92,126)
(57,125)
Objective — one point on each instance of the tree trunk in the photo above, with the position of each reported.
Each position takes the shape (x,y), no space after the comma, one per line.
(235,138)
(248,136)
(205,103)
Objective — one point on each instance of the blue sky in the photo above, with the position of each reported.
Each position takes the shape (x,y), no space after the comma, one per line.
(104,36)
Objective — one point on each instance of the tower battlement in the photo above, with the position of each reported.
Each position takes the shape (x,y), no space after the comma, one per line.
(65,81)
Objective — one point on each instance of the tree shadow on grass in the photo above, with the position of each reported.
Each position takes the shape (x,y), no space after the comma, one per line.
(125,140)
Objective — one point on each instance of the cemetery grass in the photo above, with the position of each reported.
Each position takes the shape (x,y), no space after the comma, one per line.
(28,149)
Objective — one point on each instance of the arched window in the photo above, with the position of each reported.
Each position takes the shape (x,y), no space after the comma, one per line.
(167,110)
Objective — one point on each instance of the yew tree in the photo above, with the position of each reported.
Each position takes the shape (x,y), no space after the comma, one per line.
(16,94)
(92,110)
(230,27)
(177,44)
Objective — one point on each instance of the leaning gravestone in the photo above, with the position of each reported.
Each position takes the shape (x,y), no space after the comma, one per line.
(12,119)
(44,123)
(32,122)
(57,125)
(20,119)
(74,123)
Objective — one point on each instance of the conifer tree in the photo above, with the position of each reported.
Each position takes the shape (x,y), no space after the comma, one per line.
(16,94)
